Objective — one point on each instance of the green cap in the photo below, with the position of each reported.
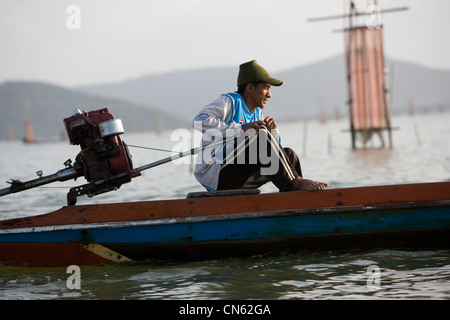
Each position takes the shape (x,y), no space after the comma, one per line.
(251,72)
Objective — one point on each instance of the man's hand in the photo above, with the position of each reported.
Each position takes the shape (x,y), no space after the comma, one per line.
(253,125)
(270,123)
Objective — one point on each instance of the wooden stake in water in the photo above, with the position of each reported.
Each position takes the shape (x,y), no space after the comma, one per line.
(304,138)
(416,130)
(330,144)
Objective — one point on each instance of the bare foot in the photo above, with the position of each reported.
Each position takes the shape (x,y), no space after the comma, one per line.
(300,184)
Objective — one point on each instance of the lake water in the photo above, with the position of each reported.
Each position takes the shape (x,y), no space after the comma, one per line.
(420,153)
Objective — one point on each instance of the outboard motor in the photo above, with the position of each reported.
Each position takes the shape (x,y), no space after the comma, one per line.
(104,159)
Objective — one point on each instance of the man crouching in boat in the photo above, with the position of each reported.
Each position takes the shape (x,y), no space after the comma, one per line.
(238,164)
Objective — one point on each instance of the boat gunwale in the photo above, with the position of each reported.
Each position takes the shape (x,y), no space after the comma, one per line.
(228,216)
(227,205)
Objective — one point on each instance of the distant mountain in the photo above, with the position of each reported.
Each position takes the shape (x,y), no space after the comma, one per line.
(307,92)
(181,93)
(47,105)
(171,100)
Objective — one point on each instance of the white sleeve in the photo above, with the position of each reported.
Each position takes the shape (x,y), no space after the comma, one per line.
(217,115)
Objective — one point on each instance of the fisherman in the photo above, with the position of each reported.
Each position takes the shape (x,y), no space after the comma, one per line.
(236,115)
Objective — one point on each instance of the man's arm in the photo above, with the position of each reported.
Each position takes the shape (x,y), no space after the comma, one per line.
(217,116)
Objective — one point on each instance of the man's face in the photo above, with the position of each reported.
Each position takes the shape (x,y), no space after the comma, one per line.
(260,94)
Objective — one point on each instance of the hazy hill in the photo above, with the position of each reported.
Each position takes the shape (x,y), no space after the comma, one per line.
(306,93)
(171,100)
(181,93)
(47,105)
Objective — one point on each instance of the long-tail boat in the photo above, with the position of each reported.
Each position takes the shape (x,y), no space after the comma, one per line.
(211,224)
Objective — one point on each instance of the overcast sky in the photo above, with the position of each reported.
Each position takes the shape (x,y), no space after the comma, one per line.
(120,40)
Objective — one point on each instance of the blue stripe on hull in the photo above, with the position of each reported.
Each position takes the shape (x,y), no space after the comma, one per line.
(250,228)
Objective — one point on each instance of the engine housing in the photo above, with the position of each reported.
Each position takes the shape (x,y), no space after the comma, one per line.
(104,159)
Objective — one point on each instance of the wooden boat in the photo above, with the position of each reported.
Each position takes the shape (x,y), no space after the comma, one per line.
(208,225)
(233,223)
